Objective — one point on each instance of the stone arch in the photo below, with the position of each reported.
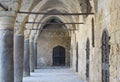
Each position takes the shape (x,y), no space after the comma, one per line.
(49,20)
(85,6)
(95,5)
(45,20)
(58,9)
(56,37)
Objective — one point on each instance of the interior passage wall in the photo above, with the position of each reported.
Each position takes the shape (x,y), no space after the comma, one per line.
(83,33)
(49,39)
(107,17)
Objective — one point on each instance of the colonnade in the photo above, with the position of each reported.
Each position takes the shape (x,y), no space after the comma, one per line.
(18,55)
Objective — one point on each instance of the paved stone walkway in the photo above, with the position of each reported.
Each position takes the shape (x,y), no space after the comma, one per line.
(52,75)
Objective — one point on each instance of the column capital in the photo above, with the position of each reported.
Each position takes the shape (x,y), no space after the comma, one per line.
(7,20)
(19,29)
(20,35)
(26,40)
(35,41)
(31,40)
(26,33)
(35,38)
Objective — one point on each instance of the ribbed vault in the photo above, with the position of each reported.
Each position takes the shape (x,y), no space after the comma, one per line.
(47,6)
(50,7)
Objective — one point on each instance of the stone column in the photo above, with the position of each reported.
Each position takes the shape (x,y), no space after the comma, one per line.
(18,57)
(6,48)
(35,55)
(26,58)
(31,56)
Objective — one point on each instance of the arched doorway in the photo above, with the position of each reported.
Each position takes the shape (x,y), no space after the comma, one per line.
(105,56)
(58,56)
(87,58)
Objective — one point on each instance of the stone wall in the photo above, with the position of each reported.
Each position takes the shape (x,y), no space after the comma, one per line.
(47,40)
(107,17)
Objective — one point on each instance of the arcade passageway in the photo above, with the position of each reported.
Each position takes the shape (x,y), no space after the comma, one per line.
(59,41)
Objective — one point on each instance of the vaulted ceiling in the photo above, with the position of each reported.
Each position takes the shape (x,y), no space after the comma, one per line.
(46,6)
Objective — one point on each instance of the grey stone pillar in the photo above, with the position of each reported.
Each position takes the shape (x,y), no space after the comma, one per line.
(6,49)
(6,55)
(31,57)
(35,55)
(26,58)
(18,57)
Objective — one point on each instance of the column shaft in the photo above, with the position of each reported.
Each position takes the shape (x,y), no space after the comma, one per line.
(31,57)
(26,58)
(18,57)
(6,55)
(35,54)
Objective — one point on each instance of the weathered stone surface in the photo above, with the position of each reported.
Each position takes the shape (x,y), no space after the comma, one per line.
(6,56)
(18,57)
(106,18)
(26,71)
(49,39)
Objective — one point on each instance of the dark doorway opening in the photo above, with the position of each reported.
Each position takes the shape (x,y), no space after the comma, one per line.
(77,57)
(87,59)
(58,56)
(93,35)
(105,57)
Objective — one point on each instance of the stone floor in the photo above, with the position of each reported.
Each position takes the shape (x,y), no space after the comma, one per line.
(52,75)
